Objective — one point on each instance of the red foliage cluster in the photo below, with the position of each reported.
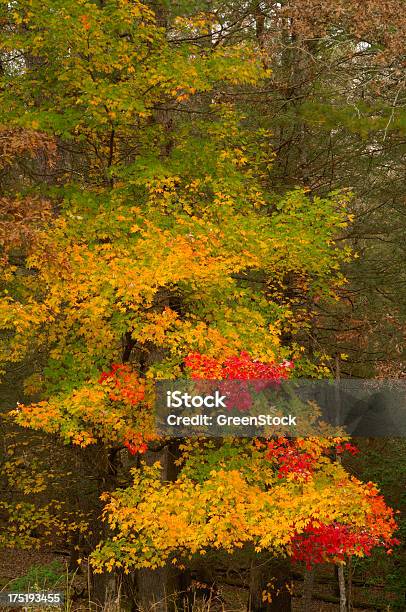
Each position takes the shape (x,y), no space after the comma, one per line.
(322,543)
(135,447)
(124,384)
(237,367)
(347,447)
(235,371)
(290,459)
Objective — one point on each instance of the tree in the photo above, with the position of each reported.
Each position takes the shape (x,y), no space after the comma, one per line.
(164,237)
(288,497)
(140,259)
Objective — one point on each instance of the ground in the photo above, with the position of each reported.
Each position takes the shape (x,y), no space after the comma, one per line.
(232,598)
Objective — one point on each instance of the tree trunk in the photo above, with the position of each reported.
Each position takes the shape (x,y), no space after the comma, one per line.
(105,586)
(341,586)
(308,585)
(340,568)
(269,585)
(161,589)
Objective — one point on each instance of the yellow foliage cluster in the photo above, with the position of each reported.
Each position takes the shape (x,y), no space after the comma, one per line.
(227,509)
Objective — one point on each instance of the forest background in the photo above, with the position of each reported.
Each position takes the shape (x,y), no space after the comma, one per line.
(222,181)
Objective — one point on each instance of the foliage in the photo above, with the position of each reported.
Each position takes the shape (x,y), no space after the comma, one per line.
(158,255)
(383,461)
(237,497)
(35,506)
(151,231)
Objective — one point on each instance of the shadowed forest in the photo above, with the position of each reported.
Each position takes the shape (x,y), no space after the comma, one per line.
(201,190)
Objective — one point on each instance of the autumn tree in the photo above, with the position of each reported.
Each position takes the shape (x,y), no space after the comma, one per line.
(156,236)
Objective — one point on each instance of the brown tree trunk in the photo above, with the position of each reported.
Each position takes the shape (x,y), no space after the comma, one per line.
(308,585)
(105,586)
(162,589)
(269,585)
(342,589)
